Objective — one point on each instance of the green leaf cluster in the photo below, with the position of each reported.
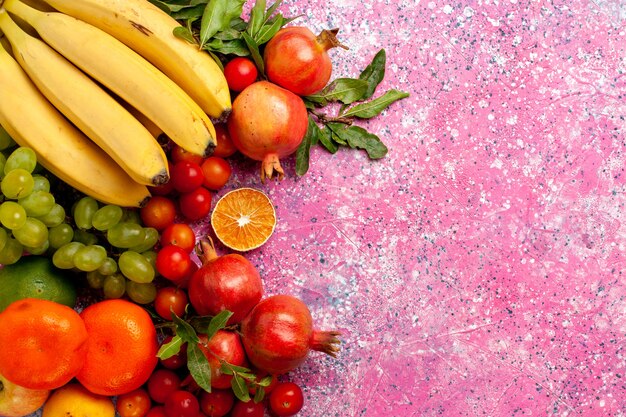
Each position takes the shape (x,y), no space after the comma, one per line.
(186,332)
(217,27)
(356,102)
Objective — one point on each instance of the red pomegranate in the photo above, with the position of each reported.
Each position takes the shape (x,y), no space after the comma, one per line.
(229,282)
(296,59)
(267,123)
(278,335)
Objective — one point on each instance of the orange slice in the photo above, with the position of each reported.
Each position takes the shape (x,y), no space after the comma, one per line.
(243,219)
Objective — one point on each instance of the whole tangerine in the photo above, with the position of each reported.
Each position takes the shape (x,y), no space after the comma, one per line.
(43,344)
(122,347)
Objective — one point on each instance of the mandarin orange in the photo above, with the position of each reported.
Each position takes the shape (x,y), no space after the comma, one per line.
(122,347)
(42,343)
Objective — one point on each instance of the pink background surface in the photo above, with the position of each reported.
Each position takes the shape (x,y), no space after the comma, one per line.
(478,269)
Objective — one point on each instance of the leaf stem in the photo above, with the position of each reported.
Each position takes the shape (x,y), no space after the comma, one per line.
(323,118)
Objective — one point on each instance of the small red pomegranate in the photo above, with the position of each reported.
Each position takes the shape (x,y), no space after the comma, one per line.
(267,123)
(298,60)
(228,282)
(278,335)
(224,346)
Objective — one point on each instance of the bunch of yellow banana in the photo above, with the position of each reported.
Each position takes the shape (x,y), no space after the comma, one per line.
(103,77)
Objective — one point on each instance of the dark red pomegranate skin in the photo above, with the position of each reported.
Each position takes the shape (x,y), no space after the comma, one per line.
(225,345)
(229,282)
(277,334)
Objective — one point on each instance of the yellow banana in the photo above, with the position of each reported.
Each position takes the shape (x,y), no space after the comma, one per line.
(88,106)
(61,148)
(125,73)
(149,31)
(154,130)
(4,42)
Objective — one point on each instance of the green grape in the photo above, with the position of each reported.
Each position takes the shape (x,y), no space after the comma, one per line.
(114,286)
(37,203)
(151,256)
(108,267)
(135,267)
(33,234)
(83,212)
(126,235)
(39,250)
(141,293)
(107,216)
(89,257)
(6,141)
(12,215)
(85,237)
(17,184)
(95,279)
(12,252)
(41,183)
(131,216)
(151,238)
(3,161)
(3,237)
(22,157)
(60,235)
(63,257)
(54,217)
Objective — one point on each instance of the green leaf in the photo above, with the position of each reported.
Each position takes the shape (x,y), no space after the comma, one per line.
(257,16)
(310,139)
(240,388)
(239,369)
(218,322)
(374,107)
(184,33)
(162,5)
(325,138)
(272,8)
(374,73)
(184,330)
(268,31)
(236,47)
(217,16)
(228,34)
(336,129)
(189,13)
(254,52)
(357,137)
(314,100)
(167,350)
(345,90)
(266,381)
(199,366)
(259,395)
(238,24)
(226,369)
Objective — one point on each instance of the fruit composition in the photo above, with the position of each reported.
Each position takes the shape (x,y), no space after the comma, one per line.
(119,126)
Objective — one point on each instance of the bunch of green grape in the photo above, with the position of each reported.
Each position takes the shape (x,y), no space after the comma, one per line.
(28,208)
(111,246)
(106,242)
